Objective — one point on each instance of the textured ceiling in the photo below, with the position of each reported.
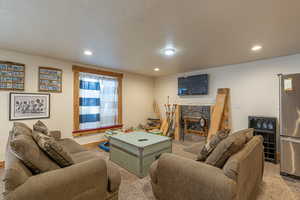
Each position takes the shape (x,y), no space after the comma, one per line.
(128,35)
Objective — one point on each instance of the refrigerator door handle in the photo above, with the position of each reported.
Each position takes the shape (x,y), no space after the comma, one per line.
(288,139)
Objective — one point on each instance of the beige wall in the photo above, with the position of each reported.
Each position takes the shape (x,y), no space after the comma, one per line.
(137,98)
(254,87)
(254,91)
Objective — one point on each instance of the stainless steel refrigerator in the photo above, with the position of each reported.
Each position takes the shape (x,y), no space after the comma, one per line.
(290,124)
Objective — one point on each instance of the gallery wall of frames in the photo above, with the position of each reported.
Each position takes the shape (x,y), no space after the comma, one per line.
(12,76)
(50,79)
(29,105)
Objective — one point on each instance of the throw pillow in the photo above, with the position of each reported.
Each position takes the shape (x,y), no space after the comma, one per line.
(20,130)
(212,144)
(53,149)
(22,125)
(225,149)
(248,133)
(40,127)
(55,134)
(25,148)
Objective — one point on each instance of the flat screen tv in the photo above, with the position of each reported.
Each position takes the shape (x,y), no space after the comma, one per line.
(193,85)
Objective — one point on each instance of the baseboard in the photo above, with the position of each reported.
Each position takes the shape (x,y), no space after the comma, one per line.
(2,164)
(289,175)
(93,144)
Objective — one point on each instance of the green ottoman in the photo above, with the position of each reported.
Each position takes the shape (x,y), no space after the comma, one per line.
(138,150)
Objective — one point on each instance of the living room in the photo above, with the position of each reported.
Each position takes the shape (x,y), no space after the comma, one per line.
(119,111)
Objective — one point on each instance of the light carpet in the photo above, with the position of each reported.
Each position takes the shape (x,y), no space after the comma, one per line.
(274,187)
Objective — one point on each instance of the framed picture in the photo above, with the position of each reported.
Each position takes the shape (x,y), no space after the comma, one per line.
(24,106)
(50,79)
(12,76)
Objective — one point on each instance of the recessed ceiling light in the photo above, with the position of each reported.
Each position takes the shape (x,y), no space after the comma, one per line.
(169,52)
(156,69)
(256,48)
(88,53)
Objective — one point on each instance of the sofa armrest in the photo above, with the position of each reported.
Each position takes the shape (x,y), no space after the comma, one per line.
(247,167)
(55,134)
(180,178)
(114,177)
(153,171)
(72,182)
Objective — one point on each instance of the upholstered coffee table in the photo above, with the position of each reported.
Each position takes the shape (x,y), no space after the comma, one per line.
(138,150)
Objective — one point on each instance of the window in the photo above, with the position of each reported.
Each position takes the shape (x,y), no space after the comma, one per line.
(97,100)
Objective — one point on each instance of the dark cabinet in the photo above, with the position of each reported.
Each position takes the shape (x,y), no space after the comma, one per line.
(266,127)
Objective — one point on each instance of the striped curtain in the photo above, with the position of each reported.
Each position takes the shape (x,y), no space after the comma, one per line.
(98,99)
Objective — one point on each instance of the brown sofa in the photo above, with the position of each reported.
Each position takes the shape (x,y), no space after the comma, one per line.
(90,178)
(178,178)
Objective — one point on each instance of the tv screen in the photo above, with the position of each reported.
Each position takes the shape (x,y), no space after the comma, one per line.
(193,85)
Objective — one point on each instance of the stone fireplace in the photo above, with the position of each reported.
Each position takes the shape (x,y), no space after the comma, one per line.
(195,119)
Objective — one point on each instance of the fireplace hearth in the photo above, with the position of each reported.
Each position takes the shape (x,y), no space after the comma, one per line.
(195,120)
(196,125)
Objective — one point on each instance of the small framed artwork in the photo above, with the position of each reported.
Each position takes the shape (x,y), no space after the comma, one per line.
(50,79)
(24,106)
(12,76)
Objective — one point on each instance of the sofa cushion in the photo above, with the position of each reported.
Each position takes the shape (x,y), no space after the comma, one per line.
(226,148)
(40,127)
(53,149)
(248,133)
(71,146)
(55,134)
(84,156)
(212,144)
(20,129)
(22,125)
(25,148)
